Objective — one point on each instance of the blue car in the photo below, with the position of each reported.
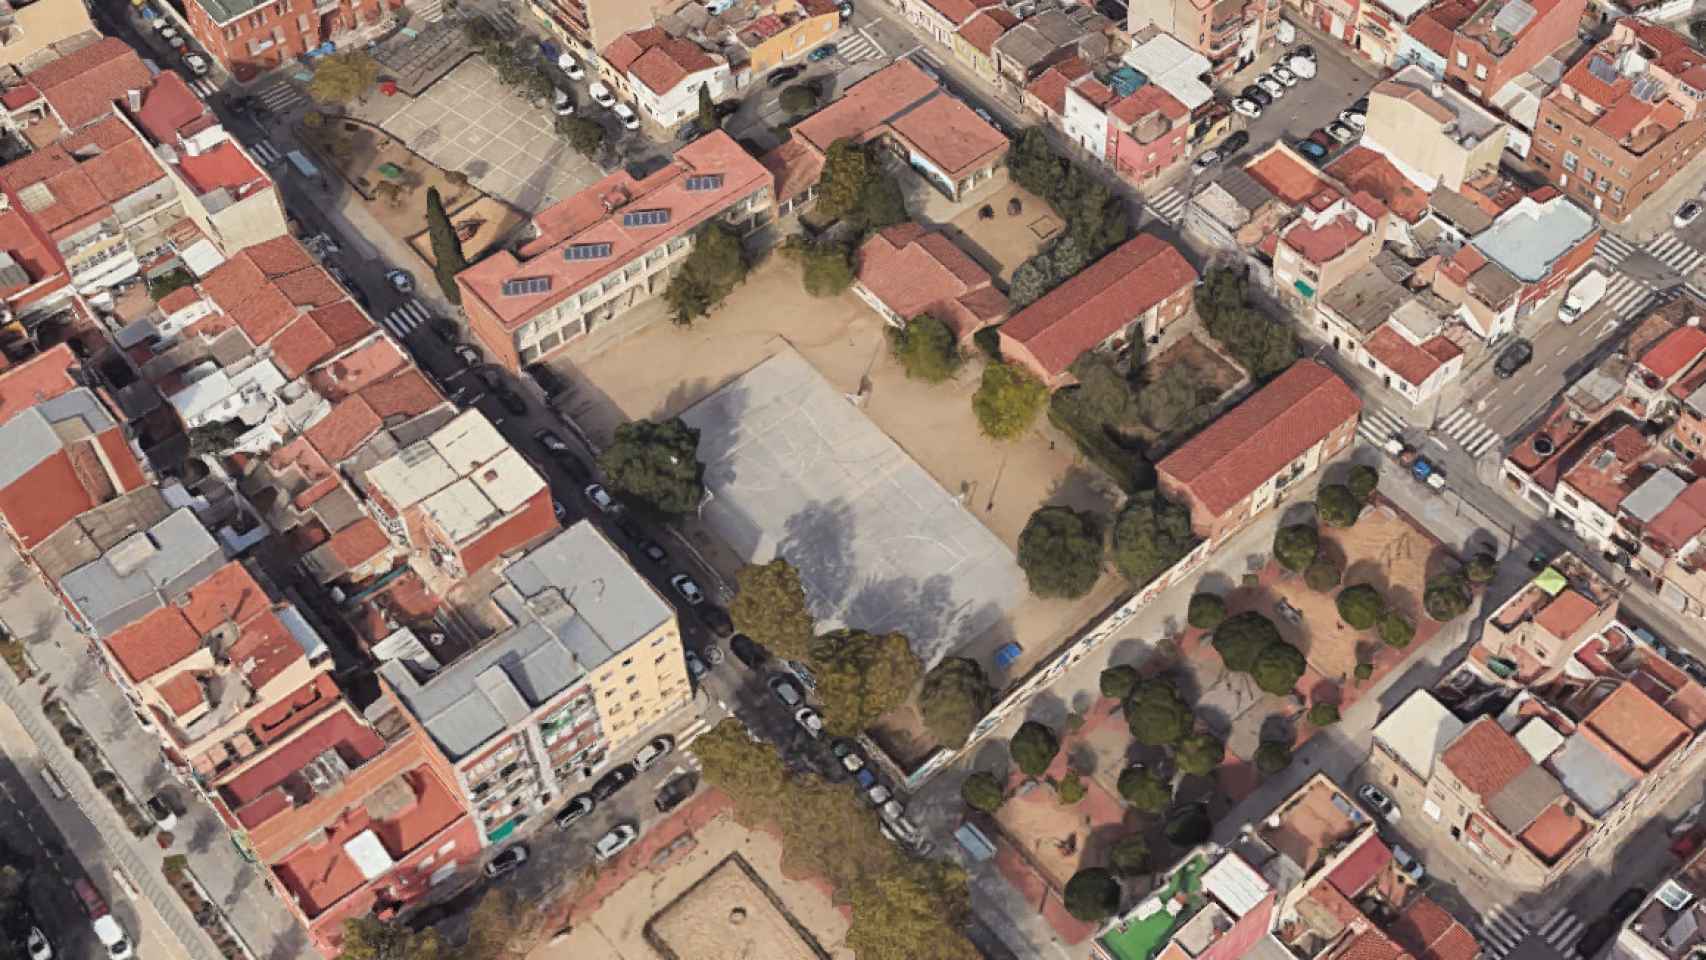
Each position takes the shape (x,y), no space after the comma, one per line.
(821,53)
(1312,150)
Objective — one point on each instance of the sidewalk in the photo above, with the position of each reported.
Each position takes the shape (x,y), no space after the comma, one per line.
(68,667)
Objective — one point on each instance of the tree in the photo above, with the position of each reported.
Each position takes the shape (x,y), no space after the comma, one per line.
(492,926)
(1362,481)
(1034,746)
(708,274)
(216,437)
(1117,682)
(1336,506)
(1144,790)
(1007,401)
(1199,753)
(585,135)
(656,465)
(861,676)
(1156,714)
(1395,630)
(1070,789)
(981,791)
(369,938)
(1482,566)
(1060,551)
(926,349)
(1188,826)
(1129,856)
(798,98)
(1205,611)
(1261,347)
(955,696)
(1447,597)
(165,283)
(1324,714)
(1278,669)
(1364,670)
(770,607)
(826,269)
(915,902)
(342,77)
(707,110)
(1092,895)
(1360,605)
(1322,575)
(1151,534)
(1240,640)
(447,259)
(1272,757)
(1168,402)
(1296,546)
(854,187)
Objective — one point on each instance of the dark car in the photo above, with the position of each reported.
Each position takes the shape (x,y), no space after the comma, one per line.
(630,529)
(1233,143)
(748,651)
(511,401)
(726,108)
(552,443)
(615,780)
(491,378)
(1323,138)
(1514,358)
(653,551)
(821,53)
(1311,150)
(716,619)
(577,810)
(505,862)
(548,379)
(671,794)
(782,75)
(1253,92)
(1361,106)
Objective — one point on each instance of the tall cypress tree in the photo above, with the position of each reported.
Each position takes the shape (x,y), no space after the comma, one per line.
(707,110)
(446,251)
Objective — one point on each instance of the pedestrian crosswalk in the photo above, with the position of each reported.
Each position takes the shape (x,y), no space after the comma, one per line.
(281,96)
(427,11)
(1468,432)
(1614,249)
(1562,930)
(1500,932)
(403,320)
(1378,424)
(265,152)
(1675,253)
(503,22)
(1626,296)
(204,87)
(1168,205)
(857,46)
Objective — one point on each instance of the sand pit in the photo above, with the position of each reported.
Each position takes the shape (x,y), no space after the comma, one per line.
(730,914)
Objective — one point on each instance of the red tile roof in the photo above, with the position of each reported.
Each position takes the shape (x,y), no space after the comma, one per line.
(1100,300)
(182,693)
(1486,758)
(1150,98)
(225,167)
(657,59)
(1566,614)
(794,166)
(168,105)
(42,377)
(957,12)
(867,105)
(407,394)
(1677,523)
(161,638)
(949,134)
(1371,944)
(914,271)
(1426,930)
(1258,438)
(310,287)
(1354,873)
(1675,353)
(83,85)
(344,322)
(359,542)
(279,257)
(345,428)
(1415,364)
(1326,243)
(1050,86)
(1365,170)
(987,27)
(1631,723)
(353,371)
(1286,175)
(299,346)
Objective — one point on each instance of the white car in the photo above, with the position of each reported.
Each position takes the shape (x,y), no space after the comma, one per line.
(602,499)
(1341,131)
(1357,120)
(620,838)
(1381,803)
(38,946)
(571,67)
(629,120)
(809,721)
(1686,214)
(1302,66)
(601,95)
(1284,75)
(654,751)
(197,64)
(1274,88)
(1247,107)
(689,590)
(563,103)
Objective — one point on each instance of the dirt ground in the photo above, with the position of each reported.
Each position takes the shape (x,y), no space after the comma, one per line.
(1207,367)
(488,221)
(697,925)
(1003,242)
(356,150)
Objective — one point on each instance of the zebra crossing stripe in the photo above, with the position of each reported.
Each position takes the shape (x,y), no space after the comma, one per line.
(1167,204)
(1675,252)
(1495,939)
(1378,425)
(204,87)
(279,95)
(403,320)
(858,47)
(1625,291)
(1564,928)
(1614,248)
(266,151)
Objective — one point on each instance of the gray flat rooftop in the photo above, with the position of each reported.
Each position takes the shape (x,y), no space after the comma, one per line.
(797,471)
(1528,237)
(142,571)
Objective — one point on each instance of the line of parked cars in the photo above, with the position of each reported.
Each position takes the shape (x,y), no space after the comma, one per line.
(1324,140)
(1287,72)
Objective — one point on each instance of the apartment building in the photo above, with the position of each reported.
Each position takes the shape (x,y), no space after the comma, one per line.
(30,30)
(1130,299)
(591,660)
(248,38)
(1671,923)
(1434,134)
(1625,119)
(589,26)
(1532,250)
(1504,39)
(1243,462)
(1230,33)
(76,89)
(661,75)
(34,284)
(1333,238)
(617,243)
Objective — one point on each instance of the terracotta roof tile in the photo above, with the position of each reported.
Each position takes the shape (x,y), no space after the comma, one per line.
(82,86)
(1354,873)
(353,371)
(1566,614)
(345,428)
(1256,439)
(407,394)
(234,282)
(957,12)
(168,105)
(1371,944)
(1636,726)
(914,271)
(1286,175)
(1411,362)
(178,299)
(158,640)
(344,322)
(1486,758)
(1550,836)
(1675,353)
(310,287)
(228,593)
(359,542)
(182,693)
(279,256)
(299,346)
(656,59)
(1367,171)
(987,27)
(949,134)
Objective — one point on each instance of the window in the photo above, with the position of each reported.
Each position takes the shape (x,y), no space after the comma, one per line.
(1480,71)
(1462,59)
(1570,161)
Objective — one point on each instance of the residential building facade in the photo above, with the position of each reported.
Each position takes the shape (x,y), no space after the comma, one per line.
(662,75)
(250,38)
(1504,39)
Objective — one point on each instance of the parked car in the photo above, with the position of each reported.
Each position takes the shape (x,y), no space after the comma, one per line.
(506,861)
(809,721)
(1274,88)
(601,95)
(1341,131)
(654,751)
(1360,106)
(748,651)
(1321,137)
(785,692)
(400,281)
(563,102)
(38,945)
(1304,67)
(571,67)
(162,813)
(1247,106)
(1514,358)
(878,794)
(626,116)
(511,401)
(196,62)
(1380,803)
(620,838)
(821,53)
(1204,160)
(1284,75)
(716,620)
(1686,214)
(551,442)
(576,810)
(615,780)
(696,667)
(602,499)
(1410,866)
(676,790)
(653,552)
(781,75)
(1233,143)
(559,511)
(689,590)
(847,752)
(1311,150)
(992,120)
(468,354)
(1352,119)
(1256,93)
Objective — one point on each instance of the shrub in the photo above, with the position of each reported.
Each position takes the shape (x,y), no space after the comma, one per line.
(1446,597)
(1336,506)
(1395,630)
(1361,482)
(988,340)
(1156,714)
(1118,681)
(1361,605)
(1296,546)
(1322,575)
(1092,895)
(799,98)
(1070,789)
(1144,790)
(1272,757)
(925,348)
(981,791)
(1324,714)
(1206,611)
(1199,753)
(1007,401)
(1129,856)
(1188,826)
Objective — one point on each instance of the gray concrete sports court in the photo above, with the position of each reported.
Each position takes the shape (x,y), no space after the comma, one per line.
(796,470)
(509,148)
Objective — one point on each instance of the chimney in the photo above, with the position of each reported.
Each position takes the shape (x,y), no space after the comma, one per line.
(134,98)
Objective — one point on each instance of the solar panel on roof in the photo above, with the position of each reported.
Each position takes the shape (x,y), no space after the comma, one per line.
(705,181)
(1602,69)
(525,286)
(645,218)
(1513,18)
(586,251)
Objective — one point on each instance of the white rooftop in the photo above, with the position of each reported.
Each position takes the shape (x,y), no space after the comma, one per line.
(1173,67)
(1235,884)
(464,473)
(1539,738)
(1417,730)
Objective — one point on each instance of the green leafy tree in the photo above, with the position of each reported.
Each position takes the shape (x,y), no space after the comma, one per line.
(861,676)
(1188,825)
(1060,551)
(1241,639)
(981,791)
(1151,534)
(955,696)
(369,938)
(656,465)
(707,109)
(1481,568)
(1272,757)
(216,437)
(1278,669)
(342,77)
(825,268)
(916,902)
(1034,746)
(1324,714)
(854,187)
(1261,347)
(1117,682)
(447,259)
(1199,753)
(1144,790)
(1362,481)
(584,135)
(1070,789)
(1129,856)
(1336,506)
(1168,402)
(1447,597)
(1395,629)
(1364,670)
(1007,401)
(1322,575)
(798,98)
(1092,895)
(1360,606)
(174,279)
(1156,714)
(988,341)
(1296,546)
(1205,611)
(716,265)
(926,349)
(770,607)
